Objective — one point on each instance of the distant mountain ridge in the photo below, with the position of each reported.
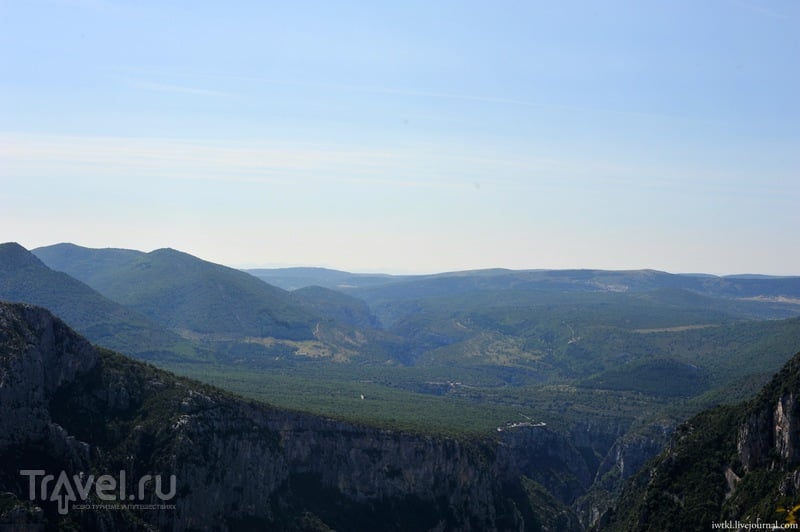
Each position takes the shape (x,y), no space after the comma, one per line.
(24,278)
(184,292)
(89,265)
(302,277)
(240,317)
(374,287)
(530,315)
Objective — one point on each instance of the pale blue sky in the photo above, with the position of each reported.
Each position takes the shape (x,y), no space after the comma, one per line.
(407,136)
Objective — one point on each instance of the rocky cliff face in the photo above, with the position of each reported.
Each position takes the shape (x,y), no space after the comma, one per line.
(737,464)
(626,456)
(68,407)
(39,355)
(770,436)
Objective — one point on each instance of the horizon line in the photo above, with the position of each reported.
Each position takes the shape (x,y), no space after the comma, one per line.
(399,272)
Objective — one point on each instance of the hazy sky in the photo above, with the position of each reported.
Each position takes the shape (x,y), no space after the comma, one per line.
(407,136)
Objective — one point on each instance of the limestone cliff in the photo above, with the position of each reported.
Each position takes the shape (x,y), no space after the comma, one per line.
(735,464)
(626,455)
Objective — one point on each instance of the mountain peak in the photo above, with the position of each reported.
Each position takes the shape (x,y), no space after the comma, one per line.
(13,254)
(26,278)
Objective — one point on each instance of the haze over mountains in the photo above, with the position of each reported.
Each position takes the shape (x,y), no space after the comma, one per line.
(409,319)
(184,292)
(602,328)
(210,304)
(608,361)
(744,285)
(25,278)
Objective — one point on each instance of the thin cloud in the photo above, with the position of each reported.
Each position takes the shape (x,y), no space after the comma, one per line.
(177,89)
(403,92)
(760,7)
(34,156)
(452,96)
(283,163)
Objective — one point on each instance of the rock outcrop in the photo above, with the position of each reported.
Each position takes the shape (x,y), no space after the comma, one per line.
(738,465)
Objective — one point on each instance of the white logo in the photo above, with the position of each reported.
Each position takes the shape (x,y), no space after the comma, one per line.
(107,488)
